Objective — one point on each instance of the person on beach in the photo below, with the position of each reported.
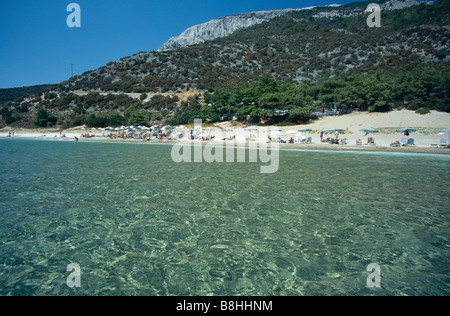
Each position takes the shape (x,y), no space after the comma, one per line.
(321,137)
(76,138)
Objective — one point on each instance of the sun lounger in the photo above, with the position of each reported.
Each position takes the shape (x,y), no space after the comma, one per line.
(410,142)
(434,145)
(309,140)
(443,143)
(403,142)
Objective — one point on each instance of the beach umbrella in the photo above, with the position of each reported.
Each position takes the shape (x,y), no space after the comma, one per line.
(329,130)
(406,130)
(369,130)
(227,129)
(275,131)
(195,127)
(304,130)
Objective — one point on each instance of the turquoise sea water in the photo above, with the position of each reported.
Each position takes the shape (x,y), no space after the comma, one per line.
(139,224)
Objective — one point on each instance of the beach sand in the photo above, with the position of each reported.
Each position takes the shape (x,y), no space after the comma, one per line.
(427,127)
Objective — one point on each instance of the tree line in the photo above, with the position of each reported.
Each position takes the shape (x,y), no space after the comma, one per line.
(422,90)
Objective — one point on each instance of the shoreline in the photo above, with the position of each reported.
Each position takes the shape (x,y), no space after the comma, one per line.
(281,146)
(351,132)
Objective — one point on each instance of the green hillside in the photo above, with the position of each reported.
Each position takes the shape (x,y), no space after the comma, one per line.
(299,62)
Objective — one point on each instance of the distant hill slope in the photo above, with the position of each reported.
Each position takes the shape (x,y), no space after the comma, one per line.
(11,94)
(306,44)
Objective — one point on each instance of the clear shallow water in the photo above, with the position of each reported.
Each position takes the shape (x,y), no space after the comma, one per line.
(139,224)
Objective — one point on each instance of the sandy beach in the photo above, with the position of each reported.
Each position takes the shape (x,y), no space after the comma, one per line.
(427,127)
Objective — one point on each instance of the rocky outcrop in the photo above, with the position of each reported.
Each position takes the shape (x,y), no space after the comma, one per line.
(400,4)
(220,27)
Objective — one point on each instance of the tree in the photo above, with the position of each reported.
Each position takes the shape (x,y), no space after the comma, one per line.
(115,119)
(97,120)
(42,118)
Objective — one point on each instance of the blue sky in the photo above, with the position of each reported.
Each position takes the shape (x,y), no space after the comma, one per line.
(37,46)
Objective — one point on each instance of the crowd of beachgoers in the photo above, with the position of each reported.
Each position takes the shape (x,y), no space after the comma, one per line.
(248,135)
(429,131)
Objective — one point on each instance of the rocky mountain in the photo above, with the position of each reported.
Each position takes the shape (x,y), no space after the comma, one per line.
(220,27)
(401,4)
(293,46)
(224,26)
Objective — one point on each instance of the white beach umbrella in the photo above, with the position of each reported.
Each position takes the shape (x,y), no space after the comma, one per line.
(275,131)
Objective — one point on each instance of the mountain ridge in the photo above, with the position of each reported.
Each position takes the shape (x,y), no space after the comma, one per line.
(220,27)
(296,46)
(224,26)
